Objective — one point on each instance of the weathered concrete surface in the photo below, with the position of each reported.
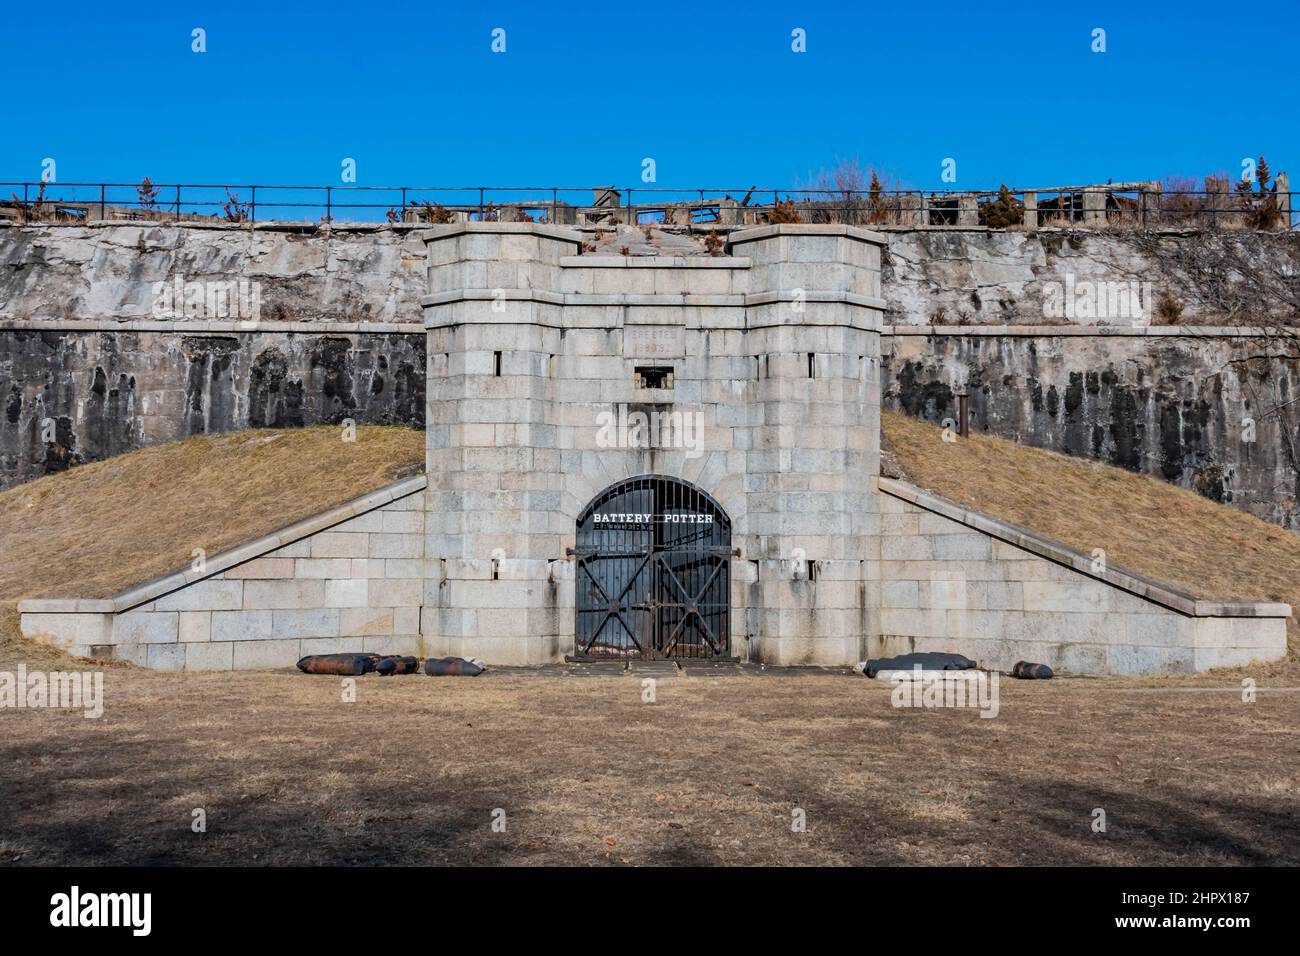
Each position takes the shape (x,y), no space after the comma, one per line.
(360,274)
(89,368)
(376,274)
(1171,406)
(70,397)
(1003,277)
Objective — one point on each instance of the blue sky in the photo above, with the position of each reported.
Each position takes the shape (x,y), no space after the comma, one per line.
(583,93)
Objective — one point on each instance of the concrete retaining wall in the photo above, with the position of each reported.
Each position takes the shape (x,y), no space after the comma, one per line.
(980,276)
(273,326)
(351,579)
(84,393)
(959,581)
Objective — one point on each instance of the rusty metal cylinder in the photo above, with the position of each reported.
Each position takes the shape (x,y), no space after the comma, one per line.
(342,665)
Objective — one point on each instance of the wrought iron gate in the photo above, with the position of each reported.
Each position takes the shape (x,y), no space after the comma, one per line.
(653,573)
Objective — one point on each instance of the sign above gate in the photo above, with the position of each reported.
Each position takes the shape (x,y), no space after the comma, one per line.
(666,518)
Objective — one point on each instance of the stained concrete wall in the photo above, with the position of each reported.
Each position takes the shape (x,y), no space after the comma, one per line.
(72,396)
(60,273)
(1171,403)
(376,274)
(88,369)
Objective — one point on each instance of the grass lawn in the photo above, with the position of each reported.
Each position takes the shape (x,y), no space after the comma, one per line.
(589,774)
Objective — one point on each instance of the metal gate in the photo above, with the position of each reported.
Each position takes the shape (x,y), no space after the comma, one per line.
(653,573)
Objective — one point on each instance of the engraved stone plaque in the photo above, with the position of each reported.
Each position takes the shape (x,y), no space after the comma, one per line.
(654,341)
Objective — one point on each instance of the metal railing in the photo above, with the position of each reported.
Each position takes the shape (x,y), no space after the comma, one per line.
(1136,205)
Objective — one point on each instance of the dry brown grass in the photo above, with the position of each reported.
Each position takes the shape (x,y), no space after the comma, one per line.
(1148,527)
(709,774)
(100,528)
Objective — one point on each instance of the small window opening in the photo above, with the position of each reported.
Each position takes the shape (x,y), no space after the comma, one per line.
(654,376)
(496,364)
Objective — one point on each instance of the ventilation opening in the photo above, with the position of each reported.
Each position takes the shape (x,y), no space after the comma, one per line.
(812,364)
(654,376)
(496,364)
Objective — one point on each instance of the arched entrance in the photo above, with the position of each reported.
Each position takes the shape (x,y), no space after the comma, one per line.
(653,572)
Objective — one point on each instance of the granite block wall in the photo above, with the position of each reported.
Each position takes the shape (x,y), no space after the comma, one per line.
(356,584)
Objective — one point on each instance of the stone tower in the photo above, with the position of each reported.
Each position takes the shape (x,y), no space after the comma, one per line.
(751,378)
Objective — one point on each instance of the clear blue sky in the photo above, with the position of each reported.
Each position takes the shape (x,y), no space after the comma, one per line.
(714,94)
